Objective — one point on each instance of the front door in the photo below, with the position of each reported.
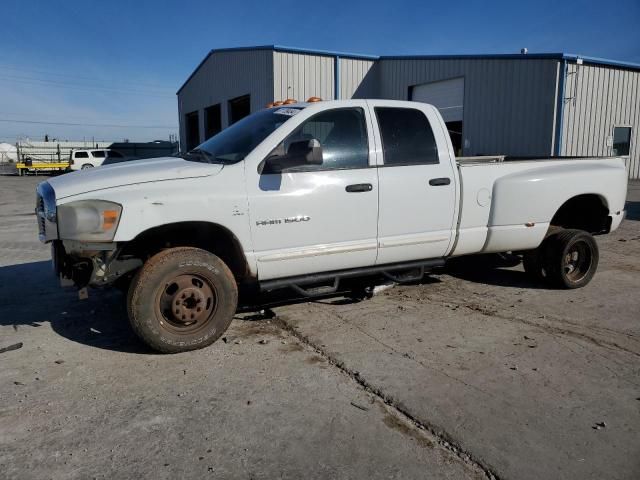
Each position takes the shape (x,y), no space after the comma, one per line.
(417,184)
(319,218)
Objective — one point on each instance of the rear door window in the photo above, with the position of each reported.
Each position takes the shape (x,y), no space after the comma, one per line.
(407,138)
(98,154)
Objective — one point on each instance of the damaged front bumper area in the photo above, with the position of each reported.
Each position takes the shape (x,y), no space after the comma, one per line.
(94,264)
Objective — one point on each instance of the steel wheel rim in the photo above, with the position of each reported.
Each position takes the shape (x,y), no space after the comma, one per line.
(186,303)
(576,261)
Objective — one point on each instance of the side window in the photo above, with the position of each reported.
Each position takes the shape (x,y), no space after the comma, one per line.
(342,133)
(98,154)
(407,138)
(80,155)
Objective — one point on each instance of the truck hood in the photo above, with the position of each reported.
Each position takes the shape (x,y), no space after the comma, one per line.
(130,173)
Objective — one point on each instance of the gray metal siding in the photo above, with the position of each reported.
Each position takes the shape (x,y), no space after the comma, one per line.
(300,76)
(596,99)
(227,75)
(509,104)
(358,79)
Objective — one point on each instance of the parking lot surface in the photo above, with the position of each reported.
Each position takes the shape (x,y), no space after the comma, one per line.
(473,373)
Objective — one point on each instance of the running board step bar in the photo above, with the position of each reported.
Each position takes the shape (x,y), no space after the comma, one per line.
(412,275)
(392,271)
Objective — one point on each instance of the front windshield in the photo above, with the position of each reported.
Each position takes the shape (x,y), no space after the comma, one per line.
(237,141)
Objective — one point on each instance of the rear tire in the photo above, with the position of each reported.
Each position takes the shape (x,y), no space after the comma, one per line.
(182,299)
(569,258)
(86,166)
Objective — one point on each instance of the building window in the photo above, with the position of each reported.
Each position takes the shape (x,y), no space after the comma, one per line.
(212,121)
(621,141)
(192,129)
(239,108)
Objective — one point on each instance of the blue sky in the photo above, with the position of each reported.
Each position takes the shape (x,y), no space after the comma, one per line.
(121,62)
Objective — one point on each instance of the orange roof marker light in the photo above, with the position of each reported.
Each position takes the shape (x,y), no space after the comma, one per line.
(313,99)
(278,103)
(289,101)
(269,105)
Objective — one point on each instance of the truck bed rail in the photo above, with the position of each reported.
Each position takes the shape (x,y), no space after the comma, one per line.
(484,159)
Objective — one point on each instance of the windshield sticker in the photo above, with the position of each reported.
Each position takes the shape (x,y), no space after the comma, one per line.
(289,112)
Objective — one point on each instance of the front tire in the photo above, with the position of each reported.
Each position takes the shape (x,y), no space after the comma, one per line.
(182,299)
(569,258)
(86,166)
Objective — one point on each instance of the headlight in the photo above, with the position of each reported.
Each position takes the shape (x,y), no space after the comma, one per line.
(88,220)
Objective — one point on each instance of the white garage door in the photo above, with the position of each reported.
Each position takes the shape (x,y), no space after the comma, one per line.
(447,96)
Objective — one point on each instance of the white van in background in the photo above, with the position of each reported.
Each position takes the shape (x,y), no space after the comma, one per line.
(83,159)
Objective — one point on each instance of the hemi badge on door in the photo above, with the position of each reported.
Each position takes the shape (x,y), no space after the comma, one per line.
(279,221)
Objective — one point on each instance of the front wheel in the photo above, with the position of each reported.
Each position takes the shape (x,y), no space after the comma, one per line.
(86,166)
(182,299)
(569,258)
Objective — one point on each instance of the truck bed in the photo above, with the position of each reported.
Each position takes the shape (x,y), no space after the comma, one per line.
(507,203)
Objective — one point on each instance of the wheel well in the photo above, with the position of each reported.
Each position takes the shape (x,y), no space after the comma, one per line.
(587,212)
(208,236)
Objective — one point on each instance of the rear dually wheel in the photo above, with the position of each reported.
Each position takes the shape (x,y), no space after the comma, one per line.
(569,258)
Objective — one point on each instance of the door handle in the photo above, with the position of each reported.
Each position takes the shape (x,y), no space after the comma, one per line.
(359,187)
(436,182)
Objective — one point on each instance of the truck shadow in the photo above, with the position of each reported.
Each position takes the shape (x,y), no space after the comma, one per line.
(492,269)
(31,297)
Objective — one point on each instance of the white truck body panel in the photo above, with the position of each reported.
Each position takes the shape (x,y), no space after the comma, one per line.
(299,223)
(131,173)
(499,198)
(346,239)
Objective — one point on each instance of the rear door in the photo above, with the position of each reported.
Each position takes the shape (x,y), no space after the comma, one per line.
(324,217)
(417,188)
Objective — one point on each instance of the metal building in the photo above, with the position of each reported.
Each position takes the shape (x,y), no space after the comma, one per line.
(523,105)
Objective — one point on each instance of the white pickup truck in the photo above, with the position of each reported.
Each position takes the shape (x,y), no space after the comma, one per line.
(309,197)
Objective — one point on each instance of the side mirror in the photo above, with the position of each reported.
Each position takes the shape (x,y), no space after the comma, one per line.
(298,154)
